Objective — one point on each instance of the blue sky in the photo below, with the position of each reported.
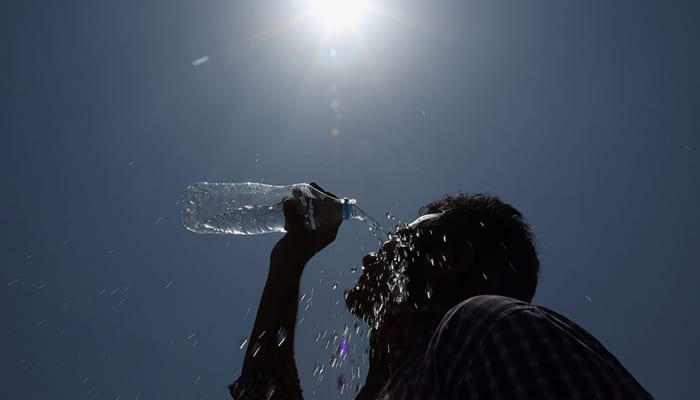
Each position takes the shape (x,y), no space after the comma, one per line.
(581,114)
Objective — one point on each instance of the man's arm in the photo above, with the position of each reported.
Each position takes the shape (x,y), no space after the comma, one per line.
(269,366)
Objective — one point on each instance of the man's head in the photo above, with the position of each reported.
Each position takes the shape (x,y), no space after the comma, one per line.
(461,246)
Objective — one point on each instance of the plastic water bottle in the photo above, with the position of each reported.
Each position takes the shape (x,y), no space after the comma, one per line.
(252,208)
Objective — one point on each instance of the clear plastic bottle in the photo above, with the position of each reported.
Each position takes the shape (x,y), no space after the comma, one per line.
(252,208)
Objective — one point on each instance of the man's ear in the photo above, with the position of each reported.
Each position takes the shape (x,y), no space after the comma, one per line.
(453,263)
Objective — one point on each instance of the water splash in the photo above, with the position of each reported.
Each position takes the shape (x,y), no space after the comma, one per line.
(377,230)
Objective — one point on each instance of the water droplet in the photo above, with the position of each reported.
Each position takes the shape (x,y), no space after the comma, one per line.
(353,270)
(390,216)
(589,299)
(485,277)
(428,292)
(444,238)
(335,285)
(318,369)
(256,349)
(340,383)
(344,348)
(281,336)
(200,61)
(243,342)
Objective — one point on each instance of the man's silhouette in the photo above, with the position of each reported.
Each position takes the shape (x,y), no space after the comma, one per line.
(447,299)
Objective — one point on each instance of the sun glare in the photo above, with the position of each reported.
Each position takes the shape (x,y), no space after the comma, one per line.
(338,13)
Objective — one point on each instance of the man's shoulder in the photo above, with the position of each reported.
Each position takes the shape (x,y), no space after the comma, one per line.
(466,324)
(487,307)
(470,322)
(536,353)
(477,316)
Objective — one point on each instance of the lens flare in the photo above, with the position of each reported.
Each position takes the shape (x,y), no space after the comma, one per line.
(338,13)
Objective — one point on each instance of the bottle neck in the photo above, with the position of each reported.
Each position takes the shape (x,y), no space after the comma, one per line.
(348,208)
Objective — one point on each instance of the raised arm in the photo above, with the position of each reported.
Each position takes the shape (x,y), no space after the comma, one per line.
(269,369)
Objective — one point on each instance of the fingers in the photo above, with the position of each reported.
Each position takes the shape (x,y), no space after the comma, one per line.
(293,221)
(304,211)
(322,190)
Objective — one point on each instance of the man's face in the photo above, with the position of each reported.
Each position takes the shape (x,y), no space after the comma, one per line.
(384,280)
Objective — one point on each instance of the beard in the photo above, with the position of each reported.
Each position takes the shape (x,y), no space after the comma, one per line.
(378,291)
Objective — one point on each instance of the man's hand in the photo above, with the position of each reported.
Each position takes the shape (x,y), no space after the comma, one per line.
(325,210)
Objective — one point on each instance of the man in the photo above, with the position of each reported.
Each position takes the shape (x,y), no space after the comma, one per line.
(447,299)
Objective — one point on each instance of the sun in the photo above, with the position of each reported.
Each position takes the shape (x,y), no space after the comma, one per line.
(338,14)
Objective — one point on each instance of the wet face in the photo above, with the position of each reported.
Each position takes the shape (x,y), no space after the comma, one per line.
(397,268)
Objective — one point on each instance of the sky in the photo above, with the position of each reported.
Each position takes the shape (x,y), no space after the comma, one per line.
(583,115)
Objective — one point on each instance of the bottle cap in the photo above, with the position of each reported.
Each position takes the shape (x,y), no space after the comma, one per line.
(346,209)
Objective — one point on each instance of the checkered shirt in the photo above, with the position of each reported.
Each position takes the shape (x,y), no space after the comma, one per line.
(495,348)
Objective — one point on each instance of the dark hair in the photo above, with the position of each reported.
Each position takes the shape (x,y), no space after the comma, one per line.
(503,244)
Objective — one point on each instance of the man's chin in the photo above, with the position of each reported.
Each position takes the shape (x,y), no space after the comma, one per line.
(368,307)
(353,303)
(359,304)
